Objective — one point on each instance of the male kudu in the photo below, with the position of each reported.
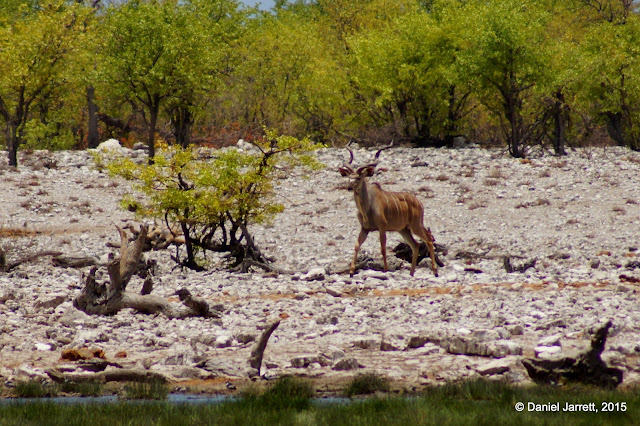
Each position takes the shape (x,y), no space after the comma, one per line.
(383,211)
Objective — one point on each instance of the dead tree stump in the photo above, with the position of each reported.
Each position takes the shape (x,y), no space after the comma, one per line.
(109,298)
(255,360)
(587,367)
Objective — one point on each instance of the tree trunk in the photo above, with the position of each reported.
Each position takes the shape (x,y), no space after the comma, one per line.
(182,123)
(92,131)
(153,120)
(513,136)
(11,137)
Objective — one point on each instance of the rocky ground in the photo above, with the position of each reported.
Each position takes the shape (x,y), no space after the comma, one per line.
(579,216)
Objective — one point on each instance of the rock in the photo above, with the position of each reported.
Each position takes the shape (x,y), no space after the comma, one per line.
(223,341)
(245,338)
(558,322)
(547,352)
(497,366)
(74,317)
(303,361)
(183,356)
(484,335)
(550,340)
(52,302)
(109,145)
(43,347)
(367,343)
(467,345)
(417,342)
(315,274)
(226,368)
(333,354)
(346,364)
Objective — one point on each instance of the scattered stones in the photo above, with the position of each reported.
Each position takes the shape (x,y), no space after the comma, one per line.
(444,327)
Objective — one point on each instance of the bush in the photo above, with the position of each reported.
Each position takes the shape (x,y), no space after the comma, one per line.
(287,393)
(35,389)
(88,388)
(154,389)
(367,383)
(214,200)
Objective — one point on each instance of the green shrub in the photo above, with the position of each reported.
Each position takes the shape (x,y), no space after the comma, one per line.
(88,388)
(154,389)
(35,389)
(213,200)
(367,383)
(287,393)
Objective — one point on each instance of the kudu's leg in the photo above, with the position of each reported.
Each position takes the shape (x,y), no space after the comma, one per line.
(426,236)
(361,238)
(383,249)
(415,248)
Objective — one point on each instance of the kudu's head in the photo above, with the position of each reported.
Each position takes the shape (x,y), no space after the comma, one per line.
(357,173)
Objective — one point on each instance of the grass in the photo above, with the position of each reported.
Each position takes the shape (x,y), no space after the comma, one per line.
(475,402)
(154,389)
(366,384)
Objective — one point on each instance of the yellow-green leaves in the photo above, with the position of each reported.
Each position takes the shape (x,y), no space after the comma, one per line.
(229,186)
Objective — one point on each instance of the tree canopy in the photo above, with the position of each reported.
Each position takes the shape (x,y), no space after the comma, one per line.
(498,72)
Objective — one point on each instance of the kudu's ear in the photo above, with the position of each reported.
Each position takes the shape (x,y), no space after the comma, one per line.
(344,171)
(367,171)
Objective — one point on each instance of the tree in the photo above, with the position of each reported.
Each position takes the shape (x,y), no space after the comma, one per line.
(506,61)
(157,52)
(36,45)
(406,73)
(611,81)
(284,77)
(213,200)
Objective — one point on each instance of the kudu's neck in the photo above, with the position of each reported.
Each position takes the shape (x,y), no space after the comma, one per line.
(364,193)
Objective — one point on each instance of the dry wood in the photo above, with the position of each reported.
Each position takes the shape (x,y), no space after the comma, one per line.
(6,267)
(587,367)
(255,360)
(108,299)
(74,261)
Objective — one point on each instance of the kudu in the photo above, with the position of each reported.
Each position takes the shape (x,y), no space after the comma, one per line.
(383,211)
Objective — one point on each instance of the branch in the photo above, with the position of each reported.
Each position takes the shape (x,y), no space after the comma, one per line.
(255,360)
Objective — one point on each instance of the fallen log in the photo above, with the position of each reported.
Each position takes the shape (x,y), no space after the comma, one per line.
(111,297)
(587,368)
(6,267)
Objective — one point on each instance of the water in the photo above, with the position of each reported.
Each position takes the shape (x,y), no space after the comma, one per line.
(172,398)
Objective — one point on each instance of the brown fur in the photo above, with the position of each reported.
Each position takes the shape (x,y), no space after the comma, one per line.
(384,211)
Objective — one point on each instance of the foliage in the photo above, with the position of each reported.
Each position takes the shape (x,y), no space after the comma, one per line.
(213,199)
(287,393)
(82,388)
(162,53)
(367,383)
(35,389)
(39,48)
(421,71)
(612,83)
(154,389)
